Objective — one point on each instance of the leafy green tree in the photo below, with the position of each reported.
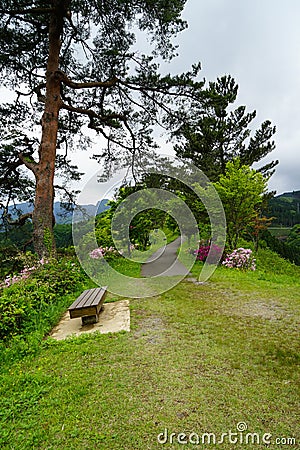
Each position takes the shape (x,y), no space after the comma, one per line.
(294,234)
(145,219)
(63,235)
(142,225)
(102,234)
(214,133)
(181,190)
(72,67)
(241,190)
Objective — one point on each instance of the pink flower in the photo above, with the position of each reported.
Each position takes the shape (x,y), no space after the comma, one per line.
(97,253)
(240,258)
(23,275)
(203,251)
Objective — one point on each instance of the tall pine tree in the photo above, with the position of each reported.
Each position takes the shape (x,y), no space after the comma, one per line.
(214,133)
(72,66)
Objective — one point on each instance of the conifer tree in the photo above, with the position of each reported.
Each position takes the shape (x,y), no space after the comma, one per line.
(72,67)
(214,133)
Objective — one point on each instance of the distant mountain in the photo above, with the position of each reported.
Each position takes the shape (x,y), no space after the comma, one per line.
(285,208)
(63,213)
(294,195)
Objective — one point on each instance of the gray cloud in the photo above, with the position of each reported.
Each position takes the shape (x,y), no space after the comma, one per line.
(258,43)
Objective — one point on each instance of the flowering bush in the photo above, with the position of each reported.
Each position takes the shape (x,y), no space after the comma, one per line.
(203,250)
(40,299)
(108,252)
(241,258)
(23,275)
(100,252)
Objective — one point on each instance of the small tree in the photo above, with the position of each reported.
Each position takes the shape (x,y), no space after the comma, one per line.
(293,242)
(259,225)
(241,190)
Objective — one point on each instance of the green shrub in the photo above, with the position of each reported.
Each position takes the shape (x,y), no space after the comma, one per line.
(269,261)
(25,303)
(66,251)
(287,250)
(12,309)
(60,276)
(13,261)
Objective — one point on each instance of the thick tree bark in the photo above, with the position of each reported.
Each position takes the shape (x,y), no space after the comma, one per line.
(43,238)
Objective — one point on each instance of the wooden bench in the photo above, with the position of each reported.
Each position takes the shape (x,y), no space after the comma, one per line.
(88,305)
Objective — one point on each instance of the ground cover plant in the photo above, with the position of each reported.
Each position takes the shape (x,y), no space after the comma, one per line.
(199,358)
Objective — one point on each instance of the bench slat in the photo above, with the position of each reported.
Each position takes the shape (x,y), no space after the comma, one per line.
(86,298)
(95,296)
(79,299)
(89,303)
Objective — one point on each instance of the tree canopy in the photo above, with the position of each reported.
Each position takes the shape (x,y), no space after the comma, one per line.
(214,133)
(241,190)
(73,66)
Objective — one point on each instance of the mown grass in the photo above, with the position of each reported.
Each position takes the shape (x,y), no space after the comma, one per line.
(280,231)
(126,267)
(199,358)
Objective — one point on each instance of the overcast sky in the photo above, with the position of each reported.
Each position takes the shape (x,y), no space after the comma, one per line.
(258,43)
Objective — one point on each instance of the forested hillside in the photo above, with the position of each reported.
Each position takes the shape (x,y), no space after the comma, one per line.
(285,209)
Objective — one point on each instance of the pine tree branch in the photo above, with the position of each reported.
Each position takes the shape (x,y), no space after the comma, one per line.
(139,105)
(92,114)
(69,194)
(29,162)
(20,12)
(85,85)
(109,139)
(166,90)
(21,220)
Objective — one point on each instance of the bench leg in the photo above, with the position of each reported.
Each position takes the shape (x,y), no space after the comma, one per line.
(89,320)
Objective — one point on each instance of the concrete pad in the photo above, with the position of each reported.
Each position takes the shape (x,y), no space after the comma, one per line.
(115,317)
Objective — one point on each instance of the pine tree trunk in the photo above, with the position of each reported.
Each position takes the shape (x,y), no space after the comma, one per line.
(43,238)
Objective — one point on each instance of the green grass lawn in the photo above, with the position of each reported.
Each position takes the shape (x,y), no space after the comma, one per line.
(280,231)
(199,358)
